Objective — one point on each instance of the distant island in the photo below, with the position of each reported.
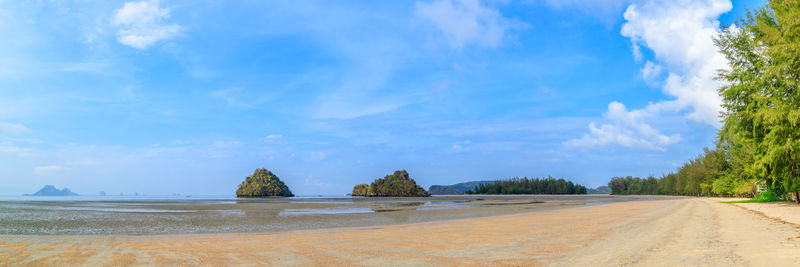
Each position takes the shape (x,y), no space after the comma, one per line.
(600,190)
(263,183)
(518,186)
(50,190)
(398,184)
(456,189)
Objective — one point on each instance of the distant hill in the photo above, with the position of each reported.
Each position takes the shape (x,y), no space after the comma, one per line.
(456,189)
(599,190)
(49,190)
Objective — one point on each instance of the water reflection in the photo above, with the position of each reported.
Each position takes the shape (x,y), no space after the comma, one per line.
(288,212)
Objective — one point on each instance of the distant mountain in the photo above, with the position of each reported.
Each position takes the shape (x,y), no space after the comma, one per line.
(456,189)
(599,190)
(49,190)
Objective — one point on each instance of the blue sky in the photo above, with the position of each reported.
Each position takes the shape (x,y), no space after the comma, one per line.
(162,97)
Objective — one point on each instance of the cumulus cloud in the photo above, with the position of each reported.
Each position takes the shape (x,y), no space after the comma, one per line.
(651,73)
(680,36)
(465,22)
(627,129)
(142,24)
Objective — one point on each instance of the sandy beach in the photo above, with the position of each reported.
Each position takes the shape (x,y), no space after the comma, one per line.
(681,231)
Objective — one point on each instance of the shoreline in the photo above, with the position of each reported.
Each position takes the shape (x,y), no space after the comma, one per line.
(164,217)
(678,231)
(323,230)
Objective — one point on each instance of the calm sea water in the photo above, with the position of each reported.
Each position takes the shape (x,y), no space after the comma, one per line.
(139,215)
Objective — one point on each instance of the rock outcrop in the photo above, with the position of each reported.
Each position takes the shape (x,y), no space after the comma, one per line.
(263,183)
(398,184)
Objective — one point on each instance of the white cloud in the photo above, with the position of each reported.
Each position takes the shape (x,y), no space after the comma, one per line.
(12,148)
(465,22)
(627,129)
(48,170)
(12,128)
(606,10)
(680,35)
(651,73)
(362,93)
(142,24)
(344,110)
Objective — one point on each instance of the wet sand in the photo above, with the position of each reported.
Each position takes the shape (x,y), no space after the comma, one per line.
(136,216)
(680,231)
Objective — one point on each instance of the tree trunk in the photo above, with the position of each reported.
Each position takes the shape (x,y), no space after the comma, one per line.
(797,197)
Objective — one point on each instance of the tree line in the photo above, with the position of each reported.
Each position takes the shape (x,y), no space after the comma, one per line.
(712,173)
(525,185)
(759,141)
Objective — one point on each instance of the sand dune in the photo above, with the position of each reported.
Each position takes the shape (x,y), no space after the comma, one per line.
(686,231)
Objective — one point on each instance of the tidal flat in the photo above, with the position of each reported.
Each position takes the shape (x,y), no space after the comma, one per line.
(180,215)
(667,231)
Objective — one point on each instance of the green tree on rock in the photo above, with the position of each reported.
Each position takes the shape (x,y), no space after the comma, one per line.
(263,183)
(398,184)
(360,190)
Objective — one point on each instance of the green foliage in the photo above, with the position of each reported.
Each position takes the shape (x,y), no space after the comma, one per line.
(398,184)
(263,183)
(763,197)
(455,189)
(761,93)
(524,185)
(760,136)
(361,190)
(633,186)
(767,197)
(709,174)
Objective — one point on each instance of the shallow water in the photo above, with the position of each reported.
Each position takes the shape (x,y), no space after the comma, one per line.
(222,214)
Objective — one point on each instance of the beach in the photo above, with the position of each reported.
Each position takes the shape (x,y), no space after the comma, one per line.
(658,232)
(158,215)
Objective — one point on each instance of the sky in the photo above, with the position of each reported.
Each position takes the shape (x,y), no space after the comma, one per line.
(163,97)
